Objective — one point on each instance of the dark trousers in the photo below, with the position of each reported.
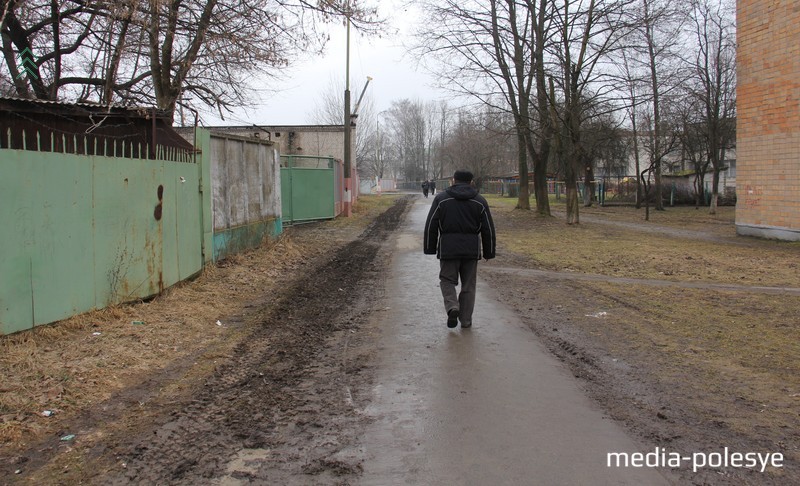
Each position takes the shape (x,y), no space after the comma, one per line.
(449,274)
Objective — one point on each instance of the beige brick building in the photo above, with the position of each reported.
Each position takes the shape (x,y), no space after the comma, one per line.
(768,126)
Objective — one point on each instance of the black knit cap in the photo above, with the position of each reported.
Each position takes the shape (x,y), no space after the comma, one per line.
(462,175)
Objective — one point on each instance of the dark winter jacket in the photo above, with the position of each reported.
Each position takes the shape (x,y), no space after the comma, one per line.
(459,225)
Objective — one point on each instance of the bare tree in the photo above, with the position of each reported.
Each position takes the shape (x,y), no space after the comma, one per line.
(589,31)
(488,50)
(657,148)
(606,148)
(379,164)
(443,122)
(656,42)
(540,141)
(714,81)
(47,32)
(329,107)
(431,139)
(407,128)
(192,52)
(632,82)
(693,145)
(476,142)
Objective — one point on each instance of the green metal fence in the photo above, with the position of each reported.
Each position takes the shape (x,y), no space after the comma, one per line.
(307,188)
(83,232)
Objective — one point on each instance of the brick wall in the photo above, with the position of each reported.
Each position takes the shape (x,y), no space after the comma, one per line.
(768,118)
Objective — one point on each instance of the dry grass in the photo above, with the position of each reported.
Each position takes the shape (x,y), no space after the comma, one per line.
(684,217)
(366,208)
(70,365)
(731,356)
(732,329)
(639,249)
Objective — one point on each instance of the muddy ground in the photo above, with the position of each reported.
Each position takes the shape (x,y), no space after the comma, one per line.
(283,404)
(289,392)
(663,405)
(671,363)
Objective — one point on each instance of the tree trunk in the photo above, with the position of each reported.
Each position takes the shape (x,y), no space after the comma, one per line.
(524,199)
(572,203)
(543,107)
(18,36)
(699,193)
(656,156)
(712,208)
(571,181)
(659,203)
(539,174)
(540,186)
(116,57)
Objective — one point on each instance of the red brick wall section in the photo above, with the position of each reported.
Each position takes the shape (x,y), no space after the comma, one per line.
(768,115)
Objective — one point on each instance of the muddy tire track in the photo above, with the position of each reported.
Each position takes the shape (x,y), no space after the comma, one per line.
(287,405)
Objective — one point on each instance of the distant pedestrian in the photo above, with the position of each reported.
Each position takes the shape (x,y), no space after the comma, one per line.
(459,230)
(432,187)
(425,188)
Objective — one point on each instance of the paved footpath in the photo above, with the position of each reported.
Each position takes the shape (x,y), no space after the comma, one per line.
(486,406)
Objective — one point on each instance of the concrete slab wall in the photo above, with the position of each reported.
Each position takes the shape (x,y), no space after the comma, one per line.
(245,192)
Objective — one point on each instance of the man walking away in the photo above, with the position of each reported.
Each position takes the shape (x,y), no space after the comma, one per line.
(425,188)
(432,187)
(459,230)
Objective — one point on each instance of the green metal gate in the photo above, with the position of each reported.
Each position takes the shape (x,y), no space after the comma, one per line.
(307,188)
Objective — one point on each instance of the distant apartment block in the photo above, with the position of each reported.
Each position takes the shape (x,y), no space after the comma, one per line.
(768,109)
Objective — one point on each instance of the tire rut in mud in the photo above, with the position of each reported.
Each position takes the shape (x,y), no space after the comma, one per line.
(291,392)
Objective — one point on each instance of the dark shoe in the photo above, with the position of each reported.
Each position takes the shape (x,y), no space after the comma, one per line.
(466,326)
(452,318)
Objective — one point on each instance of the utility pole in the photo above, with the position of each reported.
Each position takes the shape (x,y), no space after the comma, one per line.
(348,180)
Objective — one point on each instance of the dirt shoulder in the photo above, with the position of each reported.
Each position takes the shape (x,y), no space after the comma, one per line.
(685,369)
(268,352)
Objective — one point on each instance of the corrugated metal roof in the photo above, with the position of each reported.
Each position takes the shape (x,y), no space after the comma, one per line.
(85,105)
(58,102)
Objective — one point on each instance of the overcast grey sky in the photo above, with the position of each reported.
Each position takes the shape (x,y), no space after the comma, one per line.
(395,75)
